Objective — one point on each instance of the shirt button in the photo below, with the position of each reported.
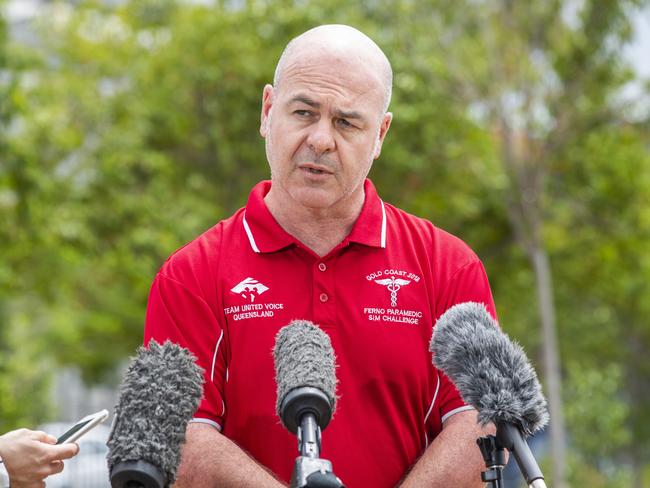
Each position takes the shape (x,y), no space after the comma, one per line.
(322,266)
(323,297)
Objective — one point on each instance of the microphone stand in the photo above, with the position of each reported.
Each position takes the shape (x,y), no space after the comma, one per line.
(310,471)
(494,455)
(513,440)
(493,449)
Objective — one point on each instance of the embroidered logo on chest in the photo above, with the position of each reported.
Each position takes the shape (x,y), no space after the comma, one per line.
(393,285)
(393,280)
(250,290)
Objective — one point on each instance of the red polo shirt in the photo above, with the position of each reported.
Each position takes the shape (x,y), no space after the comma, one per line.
(226,294)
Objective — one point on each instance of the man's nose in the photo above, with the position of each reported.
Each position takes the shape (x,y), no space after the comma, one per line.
(321,137)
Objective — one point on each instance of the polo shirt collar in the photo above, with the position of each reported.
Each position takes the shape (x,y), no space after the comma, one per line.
(265,235)
(263,231)
(370,227)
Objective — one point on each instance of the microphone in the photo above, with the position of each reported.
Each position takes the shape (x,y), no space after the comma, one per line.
(492,374)
(306,382)
(159,394)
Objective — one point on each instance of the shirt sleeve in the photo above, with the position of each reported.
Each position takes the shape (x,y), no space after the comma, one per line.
(468,284)
(177,314)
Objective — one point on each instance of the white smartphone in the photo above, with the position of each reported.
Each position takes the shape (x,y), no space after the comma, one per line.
(83,426)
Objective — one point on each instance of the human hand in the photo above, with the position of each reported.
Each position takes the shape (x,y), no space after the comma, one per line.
(31,456)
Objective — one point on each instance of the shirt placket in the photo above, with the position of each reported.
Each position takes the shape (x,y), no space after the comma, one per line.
(323,299)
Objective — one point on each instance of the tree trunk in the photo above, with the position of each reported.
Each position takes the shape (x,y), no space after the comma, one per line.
(552,373)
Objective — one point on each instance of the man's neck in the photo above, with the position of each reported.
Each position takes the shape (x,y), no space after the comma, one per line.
(321,230)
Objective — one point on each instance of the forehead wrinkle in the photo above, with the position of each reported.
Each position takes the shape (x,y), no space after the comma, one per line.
(324,81)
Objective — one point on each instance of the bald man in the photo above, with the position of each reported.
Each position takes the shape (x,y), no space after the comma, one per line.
(317,243)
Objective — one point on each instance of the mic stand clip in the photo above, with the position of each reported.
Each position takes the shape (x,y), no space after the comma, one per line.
(494,455)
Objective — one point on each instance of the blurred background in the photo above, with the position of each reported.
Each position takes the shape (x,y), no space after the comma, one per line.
(129,127)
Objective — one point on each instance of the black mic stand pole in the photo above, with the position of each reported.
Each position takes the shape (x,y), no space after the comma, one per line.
(310,471)
(513,440)
(494,455)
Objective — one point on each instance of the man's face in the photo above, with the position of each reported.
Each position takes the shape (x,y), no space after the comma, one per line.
(324,125)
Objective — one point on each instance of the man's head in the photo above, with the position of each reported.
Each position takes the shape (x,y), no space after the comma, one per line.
(324,119)
(343,35)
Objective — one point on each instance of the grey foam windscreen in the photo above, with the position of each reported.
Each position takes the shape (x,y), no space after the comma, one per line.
(491,372)
(159,395)
(304,356)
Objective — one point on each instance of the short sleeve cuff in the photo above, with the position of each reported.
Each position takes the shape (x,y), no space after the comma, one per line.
(214,424)
(455,411)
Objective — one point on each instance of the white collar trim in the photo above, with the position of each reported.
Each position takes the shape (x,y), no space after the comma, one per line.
(383,225)
(251,239)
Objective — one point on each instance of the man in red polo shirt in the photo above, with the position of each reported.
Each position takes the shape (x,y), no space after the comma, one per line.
(317,243)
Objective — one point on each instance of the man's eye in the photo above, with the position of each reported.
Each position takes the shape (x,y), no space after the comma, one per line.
(302,113)
(344,123)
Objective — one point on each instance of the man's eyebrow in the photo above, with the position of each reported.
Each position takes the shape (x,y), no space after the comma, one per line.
(314,104)
(306,100)
(349,115)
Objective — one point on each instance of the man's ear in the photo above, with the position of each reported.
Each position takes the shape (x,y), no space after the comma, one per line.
(383,130)
(267,103)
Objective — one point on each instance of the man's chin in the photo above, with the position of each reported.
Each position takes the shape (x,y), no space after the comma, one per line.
(315,198)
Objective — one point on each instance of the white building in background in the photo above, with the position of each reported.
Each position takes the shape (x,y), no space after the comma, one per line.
(74,400)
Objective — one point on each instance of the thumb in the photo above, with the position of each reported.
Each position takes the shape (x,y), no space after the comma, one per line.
(64,451)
